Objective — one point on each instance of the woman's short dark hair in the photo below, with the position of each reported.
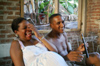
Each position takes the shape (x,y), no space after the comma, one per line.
(15,23)
(52,16)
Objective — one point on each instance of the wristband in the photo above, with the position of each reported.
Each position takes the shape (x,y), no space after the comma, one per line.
(42,38)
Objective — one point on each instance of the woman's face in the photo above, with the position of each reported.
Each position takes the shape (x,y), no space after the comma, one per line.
(23,32)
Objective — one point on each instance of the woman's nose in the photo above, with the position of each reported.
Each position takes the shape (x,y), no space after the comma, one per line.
(28,29)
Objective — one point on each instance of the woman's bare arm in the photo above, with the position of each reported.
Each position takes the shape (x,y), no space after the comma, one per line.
(49,45)
(16,54)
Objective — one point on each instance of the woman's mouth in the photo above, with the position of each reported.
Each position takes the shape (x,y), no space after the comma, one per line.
(28,34)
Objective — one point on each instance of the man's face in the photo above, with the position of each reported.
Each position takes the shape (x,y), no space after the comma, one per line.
(57,24)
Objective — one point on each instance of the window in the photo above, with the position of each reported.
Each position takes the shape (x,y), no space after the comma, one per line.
(38,12)
(69,11)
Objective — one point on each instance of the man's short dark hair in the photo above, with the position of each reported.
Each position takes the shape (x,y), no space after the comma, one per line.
(15,23)
(52,16)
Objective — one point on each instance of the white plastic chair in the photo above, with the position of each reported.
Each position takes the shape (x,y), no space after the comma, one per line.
(98,48)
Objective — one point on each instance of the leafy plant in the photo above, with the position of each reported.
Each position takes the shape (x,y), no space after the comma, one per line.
(68,5)
(44,6)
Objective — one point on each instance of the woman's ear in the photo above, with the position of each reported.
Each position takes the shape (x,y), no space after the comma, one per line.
(15,31)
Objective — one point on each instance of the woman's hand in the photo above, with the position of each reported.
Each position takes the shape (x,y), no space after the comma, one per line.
(32,27)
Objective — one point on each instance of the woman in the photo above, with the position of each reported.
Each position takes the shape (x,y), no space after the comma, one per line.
(27,51)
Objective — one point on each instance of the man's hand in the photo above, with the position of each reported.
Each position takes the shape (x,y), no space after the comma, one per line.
(81,47)
(75,56)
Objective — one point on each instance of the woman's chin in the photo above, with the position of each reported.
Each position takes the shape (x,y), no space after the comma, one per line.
(29,38)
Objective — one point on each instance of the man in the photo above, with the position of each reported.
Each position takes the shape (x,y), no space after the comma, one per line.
(59,38)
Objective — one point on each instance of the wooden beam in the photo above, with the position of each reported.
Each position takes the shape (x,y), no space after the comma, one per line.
(22,8)
(56,3)
(79,13)
(83,27)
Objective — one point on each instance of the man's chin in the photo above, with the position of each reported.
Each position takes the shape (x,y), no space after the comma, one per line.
(62,31)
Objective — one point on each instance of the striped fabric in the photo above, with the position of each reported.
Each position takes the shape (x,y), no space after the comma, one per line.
(38,55)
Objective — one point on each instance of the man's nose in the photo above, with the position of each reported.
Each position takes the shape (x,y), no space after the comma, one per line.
(61,24)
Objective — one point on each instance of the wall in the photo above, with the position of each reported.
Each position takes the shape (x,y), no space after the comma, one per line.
(9,9)
(93,20)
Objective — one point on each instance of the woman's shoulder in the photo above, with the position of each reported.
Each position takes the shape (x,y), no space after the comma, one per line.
(15,45)
(15,42)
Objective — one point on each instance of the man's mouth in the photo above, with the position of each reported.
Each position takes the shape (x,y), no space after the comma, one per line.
(61,28)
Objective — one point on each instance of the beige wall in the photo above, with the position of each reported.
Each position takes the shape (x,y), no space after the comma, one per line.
(4,50)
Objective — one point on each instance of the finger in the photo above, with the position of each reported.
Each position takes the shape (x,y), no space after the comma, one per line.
(78,52)
(78,59)
(79,56)
(81,46)
(29,24)
(87,45)
(97,54)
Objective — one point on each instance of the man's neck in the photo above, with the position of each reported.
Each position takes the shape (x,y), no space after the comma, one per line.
(54,34)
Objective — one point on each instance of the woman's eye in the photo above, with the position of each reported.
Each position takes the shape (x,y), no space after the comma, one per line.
(25,27)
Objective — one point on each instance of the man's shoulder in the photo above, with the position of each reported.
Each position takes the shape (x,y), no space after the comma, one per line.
(48,36)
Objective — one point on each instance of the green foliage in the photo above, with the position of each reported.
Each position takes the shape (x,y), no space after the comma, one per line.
(65,3)
(70,9)
(51,13)
(44,6)
(68,5)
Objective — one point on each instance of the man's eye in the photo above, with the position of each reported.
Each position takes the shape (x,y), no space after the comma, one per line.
(58,23)
(62,21)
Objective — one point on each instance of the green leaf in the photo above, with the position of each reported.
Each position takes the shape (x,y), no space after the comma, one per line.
(61,2)
(70,4)
(46,3)
(75,6)
(70,9)
(45,13)
(69,0)
(41,5)
(76,1)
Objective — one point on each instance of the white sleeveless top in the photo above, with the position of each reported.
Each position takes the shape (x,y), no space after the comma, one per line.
(38,55)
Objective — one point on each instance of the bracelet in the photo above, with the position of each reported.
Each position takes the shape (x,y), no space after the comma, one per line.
(42,38)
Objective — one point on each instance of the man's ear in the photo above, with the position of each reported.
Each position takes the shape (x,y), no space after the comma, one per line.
(51,25)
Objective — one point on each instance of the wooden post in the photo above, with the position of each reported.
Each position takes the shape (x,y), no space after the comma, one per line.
(22,8)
